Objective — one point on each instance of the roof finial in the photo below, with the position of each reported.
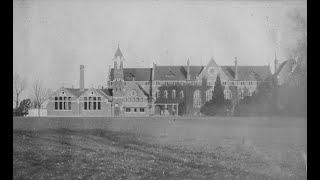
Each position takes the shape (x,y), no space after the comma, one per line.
(118,44)
(275,55)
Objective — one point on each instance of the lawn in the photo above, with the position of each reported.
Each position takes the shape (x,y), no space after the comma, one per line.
(157,148)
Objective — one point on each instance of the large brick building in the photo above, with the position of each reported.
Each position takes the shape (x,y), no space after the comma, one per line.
(153,91)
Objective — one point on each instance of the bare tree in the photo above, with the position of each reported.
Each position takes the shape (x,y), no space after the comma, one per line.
(19,84)
(40,94)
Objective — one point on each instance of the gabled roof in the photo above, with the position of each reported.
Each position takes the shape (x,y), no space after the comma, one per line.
(245,72)
(285,67)
(139,74)
(143,90)
(107,91)
(76,92)
(288,69)
(178,73)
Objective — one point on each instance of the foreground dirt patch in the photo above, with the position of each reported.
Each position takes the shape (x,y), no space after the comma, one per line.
(105,154)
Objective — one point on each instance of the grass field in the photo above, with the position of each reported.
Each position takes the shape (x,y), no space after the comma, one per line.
(156,148)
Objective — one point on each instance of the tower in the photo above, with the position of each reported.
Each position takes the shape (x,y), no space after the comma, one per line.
(118,84)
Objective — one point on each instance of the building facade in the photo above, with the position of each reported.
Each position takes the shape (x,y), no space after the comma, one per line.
(160,90)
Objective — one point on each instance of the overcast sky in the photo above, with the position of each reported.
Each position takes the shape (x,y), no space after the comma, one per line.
(52,38)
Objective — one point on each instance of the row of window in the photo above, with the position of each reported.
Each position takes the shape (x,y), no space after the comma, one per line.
(197,95)
(134,109)
(136,99)
(92,103)
(209,83)
(62,103)
(173,94)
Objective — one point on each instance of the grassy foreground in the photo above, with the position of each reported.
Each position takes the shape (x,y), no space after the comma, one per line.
(157,149)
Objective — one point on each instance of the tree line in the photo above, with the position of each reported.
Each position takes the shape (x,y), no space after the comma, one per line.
(38,95)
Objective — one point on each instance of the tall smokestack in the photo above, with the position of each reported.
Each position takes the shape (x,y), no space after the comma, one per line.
(82,77)
(236,68)
(188,70)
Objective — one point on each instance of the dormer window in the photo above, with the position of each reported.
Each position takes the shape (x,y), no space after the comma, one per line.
(170,74)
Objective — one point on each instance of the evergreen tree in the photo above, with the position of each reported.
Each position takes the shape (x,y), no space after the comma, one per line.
(24,107)
(217,105)
(218,95)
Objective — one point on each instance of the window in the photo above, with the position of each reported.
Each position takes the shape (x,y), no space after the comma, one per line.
(227,94)
(157,94)
(137,99)
(232,83)
(62,103)
(209,94)
(92,103)
(242,83)
(224,83)
(141,109)
(99,103)
(127,109)
(135,109)
(129,99)
(241,94)
(181,94)
(132,99)
(125,99)
(141,99)
(69,103)
(173,94)
(196,99)
(250,93)
(56,103)
(85,103)
(250,82)
(165,94)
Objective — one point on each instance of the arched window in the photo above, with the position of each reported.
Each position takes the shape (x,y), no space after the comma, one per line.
(165,94)
(250,93)
(241,94)
(196,99)
(173,94)
(181,94)
(209,95)
(227,94)
(157,94)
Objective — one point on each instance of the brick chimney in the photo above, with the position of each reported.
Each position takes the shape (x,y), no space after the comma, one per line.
(153,69)
(82,77)
(188,70)
(236,68)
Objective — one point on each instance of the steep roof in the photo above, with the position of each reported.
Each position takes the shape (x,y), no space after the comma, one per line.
(139,74)
(107,91)
(247,73)
(76,92)
(118,53)
(143,90)
(177,73)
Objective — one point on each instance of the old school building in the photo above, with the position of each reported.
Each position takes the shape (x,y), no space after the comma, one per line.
(178,90)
